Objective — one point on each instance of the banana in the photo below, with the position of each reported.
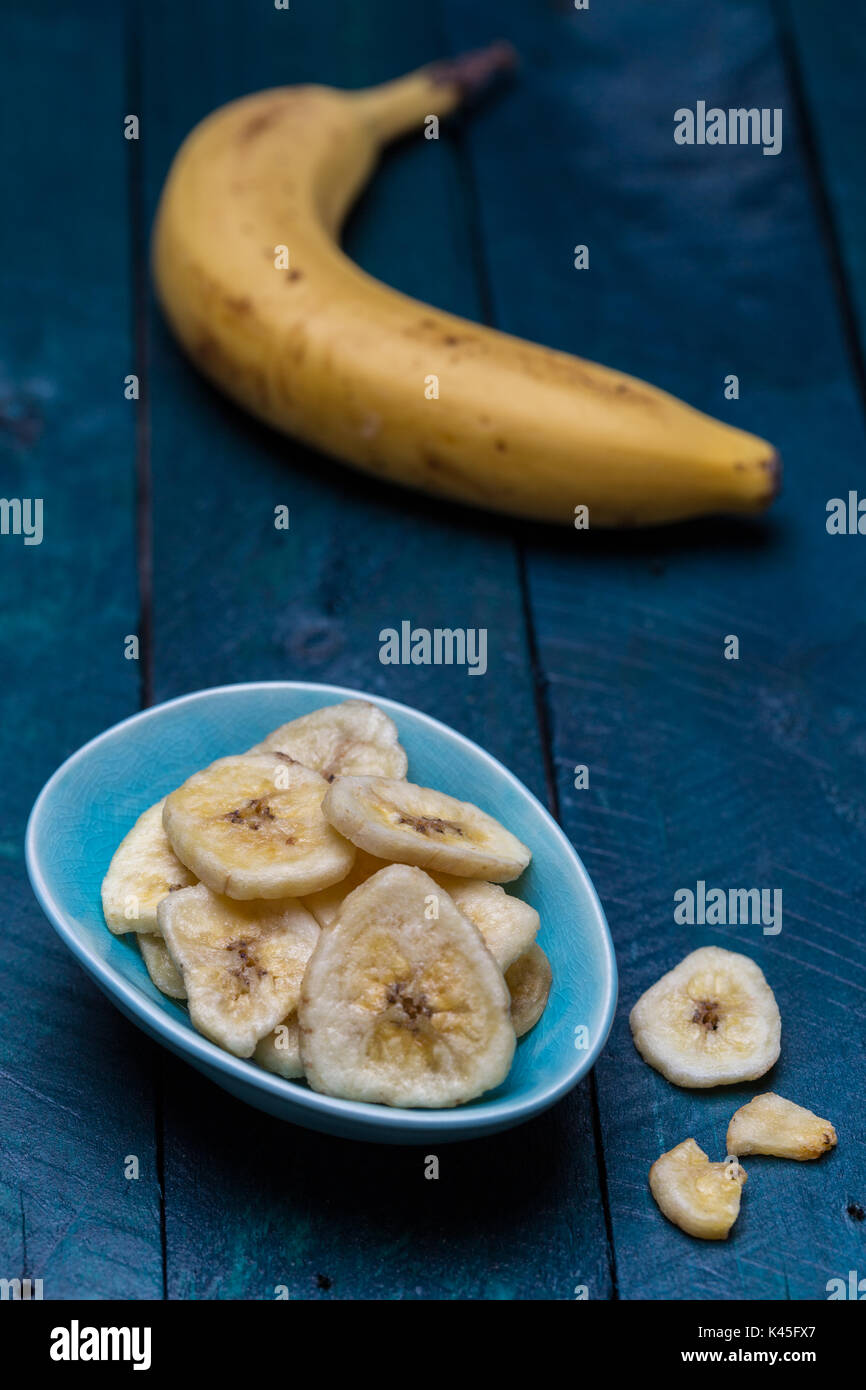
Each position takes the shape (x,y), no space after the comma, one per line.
(529,980)
(711,1021)
(700,1197)
(507,925)
(402,822)
(280,1051)
(242,962)
(325,905)
(253,283)
(252,826)
(769,1124)
(400,1007)
(143,869)
(354,737)
(160,966)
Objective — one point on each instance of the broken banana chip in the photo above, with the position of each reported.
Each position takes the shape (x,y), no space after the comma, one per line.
(326,904)
(700,1197)
(400,1007)
(529,980)
(408,824)
(242,962)
(160,966)
(143,870)
(711,1021)
(508,925)
(280,1051)
(354,738)
(252,827)
(769,1124)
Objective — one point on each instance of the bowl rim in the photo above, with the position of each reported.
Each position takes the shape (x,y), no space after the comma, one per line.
(476,1115)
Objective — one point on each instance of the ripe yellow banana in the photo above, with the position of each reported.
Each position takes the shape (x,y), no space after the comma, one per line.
(252,279)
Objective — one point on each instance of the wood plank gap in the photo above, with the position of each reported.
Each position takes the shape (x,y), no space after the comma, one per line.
(25,1271)
(539,683)
(159,1136)
(820,194)
(545,726)
(144,496)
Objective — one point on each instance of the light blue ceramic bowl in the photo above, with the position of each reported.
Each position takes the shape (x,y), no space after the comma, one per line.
(92,800)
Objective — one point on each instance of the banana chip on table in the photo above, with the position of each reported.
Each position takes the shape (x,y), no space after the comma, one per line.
(700,1197)
(352,738)
(280,1050)
(143,870)
(252,826)
(160,966)
(529,980)
(242,962)
(400,1008)
(769,1124)
(711,1021)
(408,824)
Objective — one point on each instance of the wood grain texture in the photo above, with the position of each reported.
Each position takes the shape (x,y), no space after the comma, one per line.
(76,1093)
(604,650)
(827,55)
(515,1216)
(741,773)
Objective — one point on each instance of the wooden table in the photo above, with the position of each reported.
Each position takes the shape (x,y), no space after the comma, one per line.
(605,650)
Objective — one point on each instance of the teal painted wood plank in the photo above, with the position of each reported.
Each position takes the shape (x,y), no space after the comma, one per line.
(749,773)
(828,47)
(75,1078)
(251,1204)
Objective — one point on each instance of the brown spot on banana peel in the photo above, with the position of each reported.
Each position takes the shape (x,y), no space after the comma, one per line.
(221,367)
(772,465)
(484,488)
(471,73)
(262,121)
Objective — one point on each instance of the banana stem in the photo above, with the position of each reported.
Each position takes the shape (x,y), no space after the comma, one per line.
(436,90)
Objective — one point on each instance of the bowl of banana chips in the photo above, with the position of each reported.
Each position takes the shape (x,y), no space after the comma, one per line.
(337,908)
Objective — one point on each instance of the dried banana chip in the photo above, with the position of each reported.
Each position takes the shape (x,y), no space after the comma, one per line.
(711,1021)
(326,904)
(252,827)
(529,980)
(353,738)
(160,966)
(402,1008)
(700,1197)
(280,1050)
(143,870)
(769,1124)
(242,962)
(407,824)
(508,925)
